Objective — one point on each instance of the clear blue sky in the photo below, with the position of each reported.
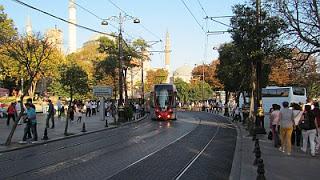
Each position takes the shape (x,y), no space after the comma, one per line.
(187,38)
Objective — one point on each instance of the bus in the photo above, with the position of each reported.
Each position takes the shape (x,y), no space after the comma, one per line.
(163,102)
(277,95)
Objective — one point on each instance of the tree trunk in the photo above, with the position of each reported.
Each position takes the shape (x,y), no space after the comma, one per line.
(32,89)
(253,91)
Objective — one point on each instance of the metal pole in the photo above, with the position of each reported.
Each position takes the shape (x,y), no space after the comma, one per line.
(131,83)
(142,83)
(203,83)
(120,62)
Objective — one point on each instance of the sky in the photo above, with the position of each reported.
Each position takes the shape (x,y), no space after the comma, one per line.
(189,43)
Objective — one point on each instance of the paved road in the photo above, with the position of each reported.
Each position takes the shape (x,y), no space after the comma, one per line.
(196,146)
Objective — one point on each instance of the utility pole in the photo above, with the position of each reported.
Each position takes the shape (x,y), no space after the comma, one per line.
(203,106)
(120,62)
(142,85)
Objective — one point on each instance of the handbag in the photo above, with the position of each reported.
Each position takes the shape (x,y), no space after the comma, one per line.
(270,135)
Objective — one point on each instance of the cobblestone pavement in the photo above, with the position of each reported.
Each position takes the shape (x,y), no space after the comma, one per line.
(92,123)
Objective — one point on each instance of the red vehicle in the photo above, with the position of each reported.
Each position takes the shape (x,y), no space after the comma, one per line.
(163,102)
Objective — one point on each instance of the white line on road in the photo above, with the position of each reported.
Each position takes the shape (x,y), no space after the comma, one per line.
(198,155)
(145,157)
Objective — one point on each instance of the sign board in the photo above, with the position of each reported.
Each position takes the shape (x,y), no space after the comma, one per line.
(102,91)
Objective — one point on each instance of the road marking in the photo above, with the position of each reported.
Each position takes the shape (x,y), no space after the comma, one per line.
(145,157)
(198,155)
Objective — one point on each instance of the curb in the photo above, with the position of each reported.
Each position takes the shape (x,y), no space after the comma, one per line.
(72,136)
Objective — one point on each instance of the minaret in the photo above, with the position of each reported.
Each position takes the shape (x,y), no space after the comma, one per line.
(167,52)
(28,27)
(72,28)
(167,56)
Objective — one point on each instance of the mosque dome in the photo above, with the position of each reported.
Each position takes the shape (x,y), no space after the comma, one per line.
(184,72)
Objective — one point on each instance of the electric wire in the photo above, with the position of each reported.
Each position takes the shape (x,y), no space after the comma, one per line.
(193,16)
(98,17)
(61,19)
(204,11)
(144,27)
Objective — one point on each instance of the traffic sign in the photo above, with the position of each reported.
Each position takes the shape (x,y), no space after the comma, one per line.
(102,91)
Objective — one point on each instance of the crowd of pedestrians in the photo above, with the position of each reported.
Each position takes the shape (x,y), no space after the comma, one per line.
(289,123)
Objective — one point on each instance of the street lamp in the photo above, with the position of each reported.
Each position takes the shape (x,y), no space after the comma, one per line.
(120,20)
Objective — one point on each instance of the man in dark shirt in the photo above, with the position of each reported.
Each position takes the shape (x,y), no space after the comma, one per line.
(50,115)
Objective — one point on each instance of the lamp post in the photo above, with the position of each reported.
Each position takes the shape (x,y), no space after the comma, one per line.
(120,20)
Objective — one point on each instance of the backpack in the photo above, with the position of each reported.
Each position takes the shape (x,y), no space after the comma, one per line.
(305,123)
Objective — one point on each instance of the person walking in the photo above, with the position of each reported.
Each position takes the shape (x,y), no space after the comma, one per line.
(11,113)
(309,131)
(88,108)
(274,124)
(78,113)
(59,107)
(286,127)
(32,116)
(31,123)
(296,133)
(316,112)
(50,115)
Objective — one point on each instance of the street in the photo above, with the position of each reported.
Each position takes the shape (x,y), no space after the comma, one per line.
(196,146)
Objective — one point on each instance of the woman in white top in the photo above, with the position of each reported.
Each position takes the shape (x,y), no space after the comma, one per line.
(78,113)
(274,124)
(296,133)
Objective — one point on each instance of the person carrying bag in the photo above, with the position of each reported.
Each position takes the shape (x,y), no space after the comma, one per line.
(308,125)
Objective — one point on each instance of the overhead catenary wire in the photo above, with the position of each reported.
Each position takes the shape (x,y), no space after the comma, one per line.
(144,27)
(61,19)
(193,15)
(204,11)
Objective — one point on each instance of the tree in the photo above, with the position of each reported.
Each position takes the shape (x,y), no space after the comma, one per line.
(27,54)
(74,80)
(210,74)
(303,20)
(256,37)
(280,73)
(7,31)
(183,90)
(196,89)
(232,71)
(155,77)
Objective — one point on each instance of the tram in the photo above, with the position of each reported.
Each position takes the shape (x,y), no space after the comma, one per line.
(163,102)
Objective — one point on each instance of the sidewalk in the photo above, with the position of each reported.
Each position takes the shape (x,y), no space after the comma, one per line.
(92,124)
(277,165)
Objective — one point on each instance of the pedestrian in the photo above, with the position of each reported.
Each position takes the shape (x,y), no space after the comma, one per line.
(31,123)
(113,109)
(18,110)
(71,110)
(59,107)
(50,115)
(88,108)
(309,130)
(316,112)
(94,108)
(11,111)
(29,101)
(274,124)
(296,133)
(78,113)
(286,127)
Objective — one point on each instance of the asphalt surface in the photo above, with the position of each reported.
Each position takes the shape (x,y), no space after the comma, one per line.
(196,146)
